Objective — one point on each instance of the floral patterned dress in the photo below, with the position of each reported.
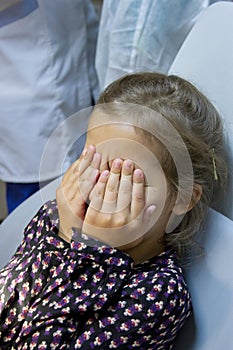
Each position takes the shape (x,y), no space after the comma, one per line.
(82,295)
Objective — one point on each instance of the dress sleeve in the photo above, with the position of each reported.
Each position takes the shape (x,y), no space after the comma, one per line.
(32,232)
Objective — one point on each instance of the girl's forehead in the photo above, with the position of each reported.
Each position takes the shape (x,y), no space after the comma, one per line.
(125,142)
(121,138)
(104,126)
(138,122)
(101,117)
(107,119)
(105,131)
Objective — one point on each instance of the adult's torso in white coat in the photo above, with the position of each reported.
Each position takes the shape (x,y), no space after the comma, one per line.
(47,73)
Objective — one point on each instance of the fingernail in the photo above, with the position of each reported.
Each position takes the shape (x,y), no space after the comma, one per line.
(84,152)
(128,164)
(139,173)
(90,148)
(151,209)
(105,174)
(96,157)
(117,163)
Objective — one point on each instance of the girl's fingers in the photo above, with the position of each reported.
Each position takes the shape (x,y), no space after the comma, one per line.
(97,193)
(80,183)
(87,158)
(94,165)
(111,191)
(77,168)
(138,193)
(89,178)
(125,187)
(70,174)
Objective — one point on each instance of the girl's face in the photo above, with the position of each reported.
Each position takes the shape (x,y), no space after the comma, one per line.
(122,141)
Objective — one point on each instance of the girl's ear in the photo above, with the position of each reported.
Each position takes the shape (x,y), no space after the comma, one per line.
(180,208)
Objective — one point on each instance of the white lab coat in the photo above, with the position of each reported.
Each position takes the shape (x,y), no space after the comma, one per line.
(47,73)
(137,35)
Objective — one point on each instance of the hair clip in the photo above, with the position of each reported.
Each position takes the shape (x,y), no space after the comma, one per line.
(214,165)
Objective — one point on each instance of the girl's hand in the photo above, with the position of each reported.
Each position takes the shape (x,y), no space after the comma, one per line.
(74,191)
(117,213)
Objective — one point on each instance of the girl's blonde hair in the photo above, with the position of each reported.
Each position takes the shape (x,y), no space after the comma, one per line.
(200,127)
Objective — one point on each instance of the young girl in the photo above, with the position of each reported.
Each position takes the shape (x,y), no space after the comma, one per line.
(107,274)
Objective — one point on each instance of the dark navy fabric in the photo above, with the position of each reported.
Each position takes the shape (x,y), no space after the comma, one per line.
(16,193)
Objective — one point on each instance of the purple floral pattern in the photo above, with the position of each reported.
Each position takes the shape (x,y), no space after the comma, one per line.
(56,295)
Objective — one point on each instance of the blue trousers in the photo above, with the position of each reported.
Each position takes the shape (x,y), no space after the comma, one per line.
(16,193)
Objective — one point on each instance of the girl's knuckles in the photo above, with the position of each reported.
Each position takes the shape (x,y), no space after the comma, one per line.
(112,188)
(106,220)
(138,196)
(119,220)
(91,216)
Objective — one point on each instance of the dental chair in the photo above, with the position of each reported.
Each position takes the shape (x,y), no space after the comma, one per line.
(205,59)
